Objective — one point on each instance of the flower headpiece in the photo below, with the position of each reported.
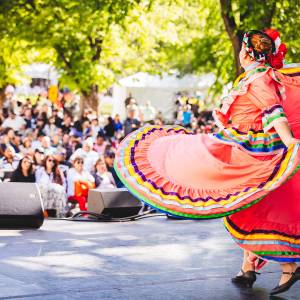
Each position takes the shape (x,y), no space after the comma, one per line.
(275,59)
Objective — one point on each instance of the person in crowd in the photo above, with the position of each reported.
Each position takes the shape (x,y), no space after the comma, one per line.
(90,156)
(24,171)
(159,119)
(28,118)
(78,183)
(38,158)
(52,185)
(16,142)
(37,139)
(148,112)
(132,107)
(10,159)
(46,145)
(109,158)
(101,144)
(67,123)
(63,163)
(187,116)
(8,136)
(103,178)
(26,146)
(86,129)
(118,124)
(50,172)
(56,142)
(50,128)
(95,128)
(40,124)
(131,123)
(13,121)
(57,120)
(109,128)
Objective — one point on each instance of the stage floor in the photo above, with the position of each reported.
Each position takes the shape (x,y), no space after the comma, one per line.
(153,258)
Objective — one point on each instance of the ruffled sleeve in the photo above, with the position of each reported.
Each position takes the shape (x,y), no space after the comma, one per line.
(264,95)
(220,118)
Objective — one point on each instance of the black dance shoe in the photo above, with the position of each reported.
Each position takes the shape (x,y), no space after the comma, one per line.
(286,286)
(245,280)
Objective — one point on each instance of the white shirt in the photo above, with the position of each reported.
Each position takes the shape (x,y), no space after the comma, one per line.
(5,165)
(148,113)
(74,176)
(16,124)
(107,181)
(42,177)
(89,158)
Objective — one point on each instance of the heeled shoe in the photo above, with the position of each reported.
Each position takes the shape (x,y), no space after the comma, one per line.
(246,279)
(286,286)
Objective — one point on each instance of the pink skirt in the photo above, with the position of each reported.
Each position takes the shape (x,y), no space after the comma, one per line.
(196,176)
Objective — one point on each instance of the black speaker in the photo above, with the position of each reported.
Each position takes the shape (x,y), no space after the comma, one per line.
(115,203)
(20,205)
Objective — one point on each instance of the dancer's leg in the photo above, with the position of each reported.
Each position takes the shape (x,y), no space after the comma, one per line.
(287,268)
(247,264)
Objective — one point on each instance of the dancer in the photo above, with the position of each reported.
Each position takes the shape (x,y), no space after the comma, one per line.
(256,153)
(271,228)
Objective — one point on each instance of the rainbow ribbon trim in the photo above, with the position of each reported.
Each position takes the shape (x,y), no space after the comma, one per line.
(173,202)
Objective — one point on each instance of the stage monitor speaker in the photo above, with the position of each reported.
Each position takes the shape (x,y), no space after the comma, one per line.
(115,203)
(20,205)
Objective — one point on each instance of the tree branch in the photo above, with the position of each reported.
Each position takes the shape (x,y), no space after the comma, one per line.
(98,46)
(227,16)
(270,12)
(61,54)
(233,31)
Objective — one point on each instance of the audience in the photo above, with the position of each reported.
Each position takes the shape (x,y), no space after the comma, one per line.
(67,154)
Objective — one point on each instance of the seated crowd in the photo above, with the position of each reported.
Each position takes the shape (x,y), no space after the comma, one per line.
(67,155)
(63,155)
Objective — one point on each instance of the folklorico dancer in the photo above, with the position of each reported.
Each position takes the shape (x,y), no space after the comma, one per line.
(247,172)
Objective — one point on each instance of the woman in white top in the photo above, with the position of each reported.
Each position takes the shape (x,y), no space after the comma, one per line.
(103,178)
(52,186)
(78,175)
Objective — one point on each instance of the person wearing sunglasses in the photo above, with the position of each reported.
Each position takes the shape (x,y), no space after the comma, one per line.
(52,185)
(79,182)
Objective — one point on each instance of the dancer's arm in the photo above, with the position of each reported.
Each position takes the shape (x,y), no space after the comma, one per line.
(284,131)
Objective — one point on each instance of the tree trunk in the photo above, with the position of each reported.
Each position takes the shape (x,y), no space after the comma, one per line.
(90,99)
(233,32)
(236,43)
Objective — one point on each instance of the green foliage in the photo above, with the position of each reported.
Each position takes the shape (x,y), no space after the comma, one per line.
(95,42)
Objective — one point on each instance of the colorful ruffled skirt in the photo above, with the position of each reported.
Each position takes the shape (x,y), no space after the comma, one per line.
(198,176)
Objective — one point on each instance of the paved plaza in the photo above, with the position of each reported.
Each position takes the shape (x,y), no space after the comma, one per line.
(154,258)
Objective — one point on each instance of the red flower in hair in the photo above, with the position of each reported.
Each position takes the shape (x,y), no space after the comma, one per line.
(276,59)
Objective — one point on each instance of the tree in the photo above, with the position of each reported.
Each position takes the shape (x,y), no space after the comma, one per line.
(78,32)
(95,42)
